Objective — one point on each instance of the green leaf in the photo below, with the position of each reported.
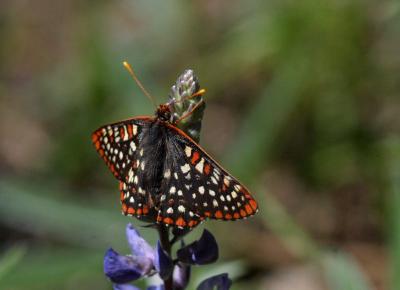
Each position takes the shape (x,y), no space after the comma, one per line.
(10,259)
(342,272)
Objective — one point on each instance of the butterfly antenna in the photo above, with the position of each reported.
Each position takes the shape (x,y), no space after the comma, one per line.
(133,75)
(198,93)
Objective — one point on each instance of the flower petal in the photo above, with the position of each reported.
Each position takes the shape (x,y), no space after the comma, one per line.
(139,246)
(125,287)
(162,262)
(203,251)
(158,287)
(122,269)
(181,276)
(221,281)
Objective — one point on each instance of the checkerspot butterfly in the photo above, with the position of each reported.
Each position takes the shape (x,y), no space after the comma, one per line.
(167,177)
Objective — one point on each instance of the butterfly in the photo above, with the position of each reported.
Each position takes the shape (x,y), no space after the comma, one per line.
(165,176)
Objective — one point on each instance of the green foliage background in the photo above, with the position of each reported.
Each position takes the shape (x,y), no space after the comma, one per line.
(302,105)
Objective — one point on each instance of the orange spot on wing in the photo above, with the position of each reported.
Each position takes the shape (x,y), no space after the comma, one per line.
(124,207)
(145,210)
(218,214)
(180,222)
(122,132)
(94,138)
(195,157)
(139,211)
(168,221)
(130,132)
(131,210)
(253,204)
(207,169)
(223,187)
(228,216)
(101,152)
(121,185)
(243,213)
(97,144)
(192,223)
(248,209)
(121,196)
(159,218)
(207,214)
(236,215)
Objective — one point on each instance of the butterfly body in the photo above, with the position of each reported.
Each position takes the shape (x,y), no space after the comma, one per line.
(167,177)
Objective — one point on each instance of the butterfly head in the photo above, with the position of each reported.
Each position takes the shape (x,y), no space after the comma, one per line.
(163,112)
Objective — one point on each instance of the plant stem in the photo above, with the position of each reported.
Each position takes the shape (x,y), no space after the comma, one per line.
(163,232)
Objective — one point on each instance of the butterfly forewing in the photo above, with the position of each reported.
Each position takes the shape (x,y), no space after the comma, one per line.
(118,145)
(195,187)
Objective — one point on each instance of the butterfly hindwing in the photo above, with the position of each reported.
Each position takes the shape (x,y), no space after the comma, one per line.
(195,187)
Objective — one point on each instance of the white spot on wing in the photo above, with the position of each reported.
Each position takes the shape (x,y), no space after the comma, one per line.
(167,173)
(215,203)
(172,190)
(125,134)
(133,146)
(181,208)
(188,151)
(130,175)
(226,180)
(201,189)
(200,165)
(185,168)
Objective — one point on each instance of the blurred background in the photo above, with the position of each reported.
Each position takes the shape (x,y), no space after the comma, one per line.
(302,105)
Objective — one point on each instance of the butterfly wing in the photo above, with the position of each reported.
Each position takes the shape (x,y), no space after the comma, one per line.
(118,145)
(195,187)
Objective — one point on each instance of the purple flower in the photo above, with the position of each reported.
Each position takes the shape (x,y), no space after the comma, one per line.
(158,287)
(181,276)
(201,252)
(139,246)
(143,261)
(122,269)
(124,287)
(163,262)
(221,282)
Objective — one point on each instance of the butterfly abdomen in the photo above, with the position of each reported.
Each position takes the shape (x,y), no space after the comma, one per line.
(152,155)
